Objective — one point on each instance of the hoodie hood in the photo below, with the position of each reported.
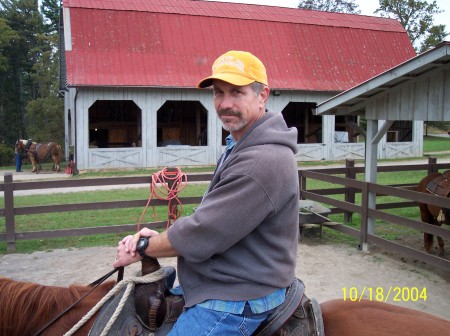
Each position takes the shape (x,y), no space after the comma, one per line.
(271,128)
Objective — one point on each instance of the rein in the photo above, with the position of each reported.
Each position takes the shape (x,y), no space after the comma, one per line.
(96,283)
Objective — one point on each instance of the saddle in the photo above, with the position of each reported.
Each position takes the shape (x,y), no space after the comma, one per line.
(153,310)
(440,185)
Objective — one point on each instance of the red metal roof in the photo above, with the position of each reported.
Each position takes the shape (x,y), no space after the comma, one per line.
(172,43)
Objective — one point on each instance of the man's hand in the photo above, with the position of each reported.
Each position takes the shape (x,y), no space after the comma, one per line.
(123,257)
(126,249)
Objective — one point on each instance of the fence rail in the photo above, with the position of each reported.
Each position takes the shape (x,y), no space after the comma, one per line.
(345,178)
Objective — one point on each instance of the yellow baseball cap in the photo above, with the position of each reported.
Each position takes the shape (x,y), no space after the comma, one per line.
(237,68)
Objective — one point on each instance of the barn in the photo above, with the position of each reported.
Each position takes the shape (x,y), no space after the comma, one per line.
(129,71)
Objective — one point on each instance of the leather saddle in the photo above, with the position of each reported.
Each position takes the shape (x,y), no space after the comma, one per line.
(440,185)
(153,310)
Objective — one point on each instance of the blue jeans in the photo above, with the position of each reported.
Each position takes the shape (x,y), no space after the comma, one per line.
(18,162)
(199,321)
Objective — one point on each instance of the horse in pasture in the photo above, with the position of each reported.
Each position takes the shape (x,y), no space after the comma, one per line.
(436,184)
(27,307)
(38,152)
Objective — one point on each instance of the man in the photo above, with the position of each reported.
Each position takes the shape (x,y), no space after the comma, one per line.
(18,157)
(237,252)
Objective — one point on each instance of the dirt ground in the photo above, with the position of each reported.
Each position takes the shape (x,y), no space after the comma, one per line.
(328,271)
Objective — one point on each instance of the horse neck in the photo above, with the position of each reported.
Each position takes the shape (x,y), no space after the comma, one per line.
(66,322)
(27,307)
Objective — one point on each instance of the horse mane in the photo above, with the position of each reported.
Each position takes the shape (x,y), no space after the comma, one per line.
(26,307)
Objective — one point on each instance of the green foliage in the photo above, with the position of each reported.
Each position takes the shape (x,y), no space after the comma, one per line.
(28,67)
(340,6)
(6,155)
(7,37)
(416,16)
(436,34)
(50,9)
(45,120)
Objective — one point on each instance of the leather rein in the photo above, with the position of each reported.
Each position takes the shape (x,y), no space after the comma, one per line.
(95,284)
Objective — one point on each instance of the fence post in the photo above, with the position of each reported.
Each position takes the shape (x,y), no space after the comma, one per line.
(10,232)
(432,165)
(364,217)
(302,183)
(349,192)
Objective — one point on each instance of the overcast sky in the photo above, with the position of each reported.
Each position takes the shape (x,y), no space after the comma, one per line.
(367,7)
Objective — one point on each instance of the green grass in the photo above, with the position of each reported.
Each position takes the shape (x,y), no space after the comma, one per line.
(436,144)
(55,221)
(80,219)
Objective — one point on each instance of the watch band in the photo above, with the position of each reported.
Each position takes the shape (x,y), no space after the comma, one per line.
(142,245)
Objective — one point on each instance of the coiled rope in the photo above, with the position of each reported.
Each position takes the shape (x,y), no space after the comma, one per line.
(130,283)
(166,185)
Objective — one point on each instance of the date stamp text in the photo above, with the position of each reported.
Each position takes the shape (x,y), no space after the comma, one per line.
(385,294)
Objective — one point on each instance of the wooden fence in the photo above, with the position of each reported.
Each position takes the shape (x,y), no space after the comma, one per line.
(345,177)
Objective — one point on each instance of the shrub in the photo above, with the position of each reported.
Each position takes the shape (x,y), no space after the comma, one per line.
(6,155)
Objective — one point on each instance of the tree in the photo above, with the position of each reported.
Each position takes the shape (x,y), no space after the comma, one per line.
(416,17)
(50,9)
(46,122)
(23,17)
(29,103)
(436,34)
(340,6)
(7,39)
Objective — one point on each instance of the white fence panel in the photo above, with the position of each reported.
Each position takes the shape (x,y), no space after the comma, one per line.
(104,158)
(183,155)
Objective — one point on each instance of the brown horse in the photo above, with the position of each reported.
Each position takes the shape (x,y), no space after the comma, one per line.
(26,307)
(437,184)
(38,152)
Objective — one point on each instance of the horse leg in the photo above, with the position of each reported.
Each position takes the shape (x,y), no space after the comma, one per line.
(33,164)
(426,217)
(441,246)
(56,161)
(38,165)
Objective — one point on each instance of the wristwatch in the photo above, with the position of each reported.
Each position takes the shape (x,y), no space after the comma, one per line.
(142,245)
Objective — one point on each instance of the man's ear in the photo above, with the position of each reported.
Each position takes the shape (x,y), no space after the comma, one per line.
(265,94)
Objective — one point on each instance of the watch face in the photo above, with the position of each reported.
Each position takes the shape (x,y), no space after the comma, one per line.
(141,243)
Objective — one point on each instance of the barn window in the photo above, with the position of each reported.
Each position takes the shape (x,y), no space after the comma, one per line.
(400,131)
(347,129)
(182,123)
(309,126)
(114,123)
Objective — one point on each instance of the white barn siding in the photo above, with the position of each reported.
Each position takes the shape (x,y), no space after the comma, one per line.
(148,155)
(426,97)
(150,100)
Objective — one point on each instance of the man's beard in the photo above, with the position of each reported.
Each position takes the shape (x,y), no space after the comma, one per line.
(232,127)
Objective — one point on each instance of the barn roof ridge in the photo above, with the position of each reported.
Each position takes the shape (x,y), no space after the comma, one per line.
(243,11)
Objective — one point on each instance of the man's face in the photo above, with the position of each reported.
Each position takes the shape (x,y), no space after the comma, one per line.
(238,107)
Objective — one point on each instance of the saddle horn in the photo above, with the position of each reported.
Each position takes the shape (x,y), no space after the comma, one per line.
(149,265)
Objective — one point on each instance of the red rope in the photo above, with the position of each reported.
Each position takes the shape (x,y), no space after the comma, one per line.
(166,185)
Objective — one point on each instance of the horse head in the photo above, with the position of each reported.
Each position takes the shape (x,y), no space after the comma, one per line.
(20,144)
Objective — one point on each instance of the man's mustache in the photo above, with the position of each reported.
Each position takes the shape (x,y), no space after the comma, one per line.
(228,112)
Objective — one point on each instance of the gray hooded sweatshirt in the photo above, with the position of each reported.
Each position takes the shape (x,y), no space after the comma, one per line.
(241,242)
